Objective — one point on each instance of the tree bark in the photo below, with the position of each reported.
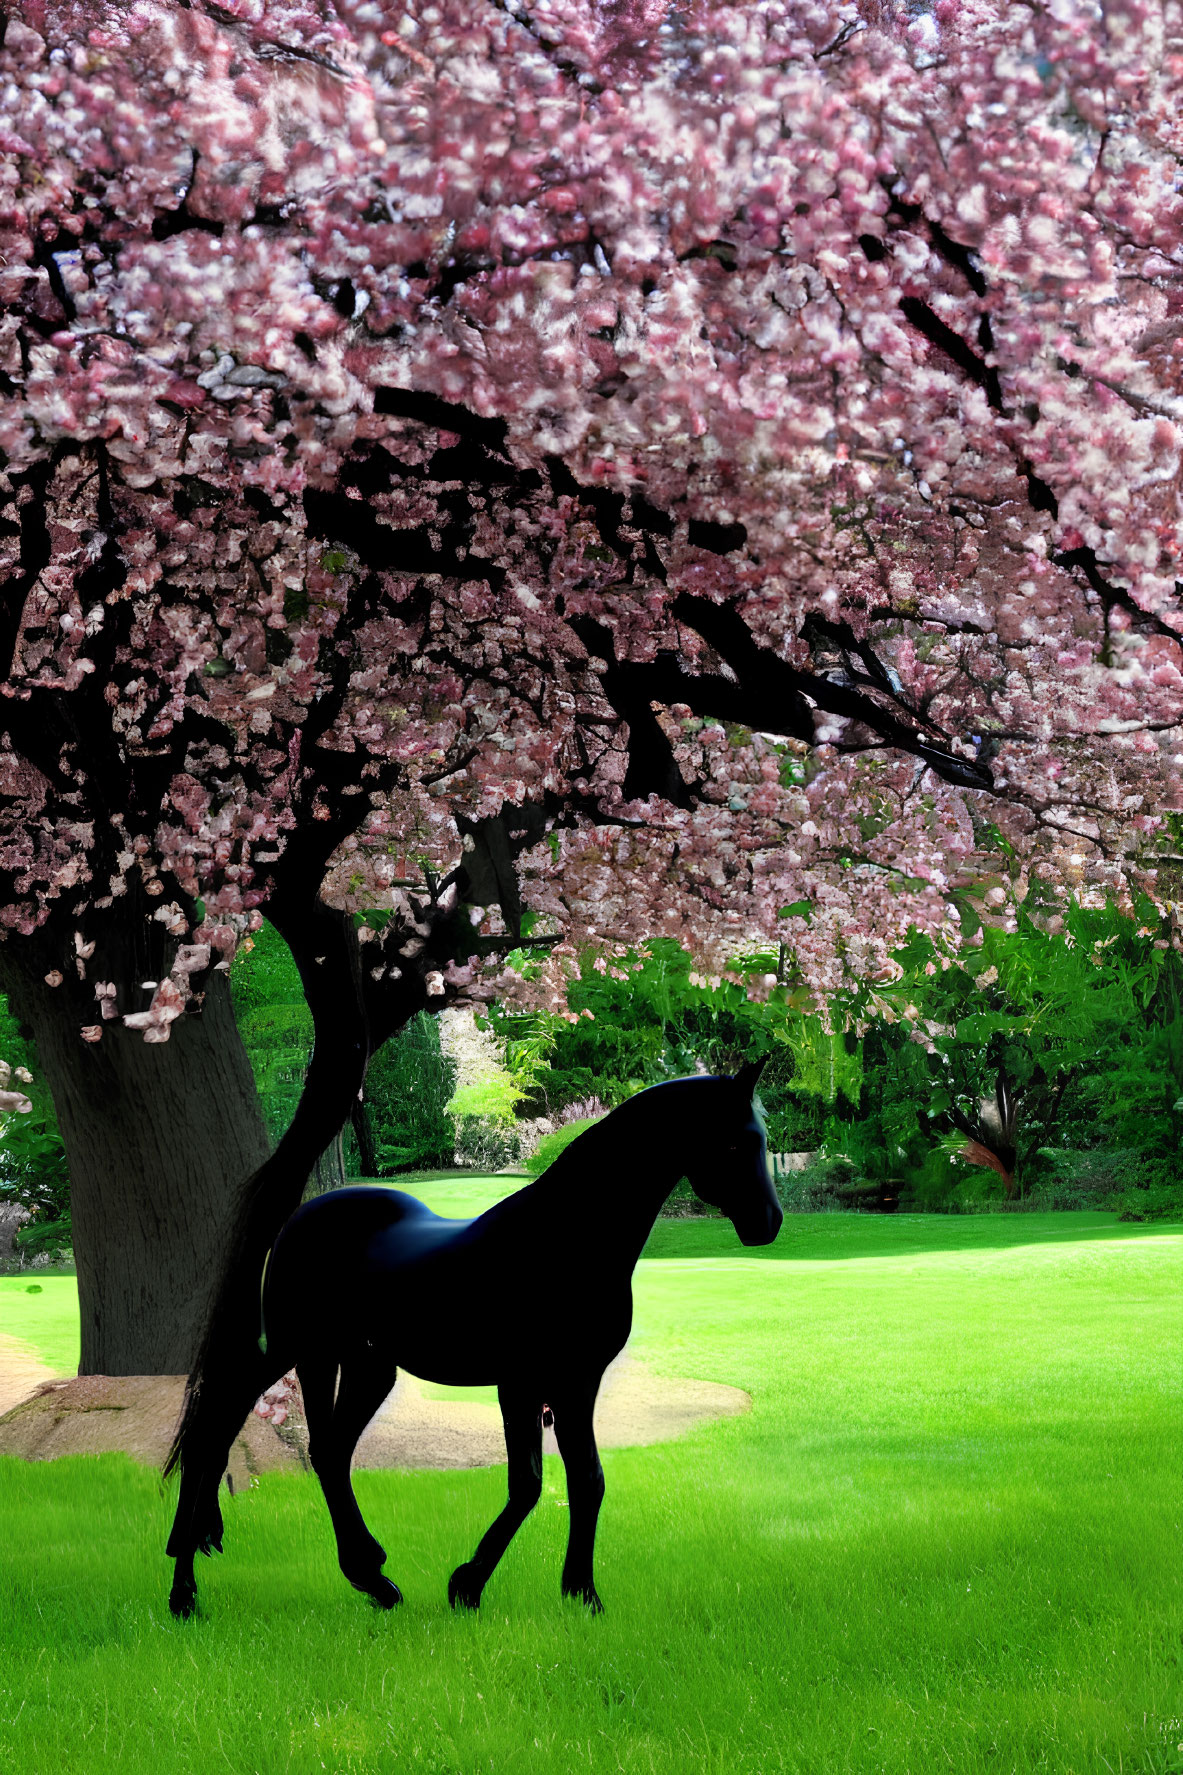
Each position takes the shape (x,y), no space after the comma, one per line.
(159,1138)
(329,1171)
(363,1128)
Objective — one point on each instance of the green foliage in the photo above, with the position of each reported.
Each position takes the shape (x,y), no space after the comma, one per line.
(35,1171)
(551,1146)
(33,1168)
(52,1237)
(1163,1201)
(1086,1022)
(484,1114)
(640,1020)
(408,1086)
(274,1022)
(494,1099)
(818,1188)
(528,1043)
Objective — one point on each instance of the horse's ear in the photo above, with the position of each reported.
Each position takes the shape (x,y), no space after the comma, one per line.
(748,1076)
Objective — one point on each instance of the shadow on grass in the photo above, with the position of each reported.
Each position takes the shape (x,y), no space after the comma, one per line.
(839,1237)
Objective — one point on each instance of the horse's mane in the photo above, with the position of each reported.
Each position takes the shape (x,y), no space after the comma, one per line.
(586,1148)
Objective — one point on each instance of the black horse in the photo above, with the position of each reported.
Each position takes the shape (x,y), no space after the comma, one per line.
(534,1296)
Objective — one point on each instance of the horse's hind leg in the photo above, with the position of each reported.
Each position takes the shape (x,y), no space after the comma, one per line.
(197,1526)
(521,1414)
(367,1376)
(183,1541)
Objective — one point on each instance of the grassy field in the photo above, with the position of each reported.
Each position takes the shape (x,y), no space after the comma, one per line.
(946,1538)
(42,1311)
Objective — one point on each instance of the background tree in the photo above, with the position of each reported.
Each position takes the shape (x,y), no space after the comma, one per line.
(650,469)
(408,1088)
(1071,1035)
(1077,1014)
(34,1180)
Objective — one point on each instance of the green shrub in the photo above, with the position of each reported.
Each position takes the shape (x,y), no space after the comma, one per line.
(33,1169)
(408,1086)
(552,1145)
(54,1238)
(483,1113)
(814,1190)
(1162,1201)
(795,1120)
(485,1145)
(33,1159)
(274,1022)
(492,1099)
(1067,1177)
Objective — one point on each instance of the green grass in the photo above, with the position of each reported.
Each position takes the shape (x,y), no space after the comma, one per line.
(946,1538)
(42,1311)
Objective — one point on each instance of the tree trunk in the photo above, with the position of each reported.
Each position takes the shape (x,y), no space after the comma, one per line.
(159,1138)
(329,1172)
(363,1128)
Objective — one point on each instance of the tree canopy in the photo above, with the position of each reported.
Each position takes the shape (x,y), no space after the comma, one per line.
(660,470)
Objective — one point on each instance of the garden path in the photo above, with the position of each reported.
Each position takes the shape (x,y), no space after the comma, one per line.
(44,1416)
(635,1408)
(21,1371)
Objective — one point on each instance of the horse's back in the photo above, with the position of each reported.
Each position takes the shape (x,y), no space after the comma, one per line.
(359,1205)
(349,1222)
(334,1260)
(328,1242)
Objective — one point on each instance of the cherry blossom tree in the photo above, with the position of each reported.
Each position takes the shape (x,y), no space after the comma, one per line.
(707,470)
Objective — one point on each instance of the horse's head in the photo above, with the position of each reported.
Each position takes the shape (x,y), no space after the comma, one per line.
(729,1165)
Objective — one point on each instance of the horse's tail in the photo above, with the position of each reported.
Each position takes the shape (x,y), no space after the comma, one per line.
(231,1336)
(325,951)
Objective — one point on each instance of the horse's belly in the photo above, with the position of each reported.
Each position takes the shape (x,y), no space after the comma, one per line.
(458,1373)
(447,1347)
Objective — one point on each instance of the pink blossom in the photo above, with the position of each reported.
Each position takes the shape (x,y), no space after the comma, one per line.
(382,369)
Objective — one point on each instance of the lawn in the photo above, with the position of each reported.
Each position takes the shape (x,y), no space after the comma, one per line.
(946,1537)
(42,1311)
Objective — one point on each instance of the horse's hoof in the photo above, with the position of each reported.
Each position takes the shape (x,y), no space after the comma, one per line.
(463,1590)
(182,1600)
(381,1592)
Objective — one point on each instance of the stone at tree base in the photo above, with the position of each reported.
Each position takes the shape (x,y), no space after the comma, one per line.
(12,1218)
(135,1414)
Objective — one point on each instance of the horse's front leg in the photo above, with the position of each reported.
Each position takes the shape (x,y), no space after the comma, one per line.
(585,1489)
(367,1376)
(521,1414)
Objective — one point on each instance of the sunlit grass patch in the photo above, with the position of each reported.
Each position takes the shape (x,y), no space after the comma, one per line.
(42,1312)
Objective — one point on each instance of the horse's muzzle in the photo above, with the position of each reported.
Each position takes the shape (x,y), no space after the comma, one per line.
(762,1232)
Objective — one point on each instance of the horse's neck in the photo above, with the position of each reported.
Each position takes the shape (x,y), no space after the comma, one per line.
(625,1172)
